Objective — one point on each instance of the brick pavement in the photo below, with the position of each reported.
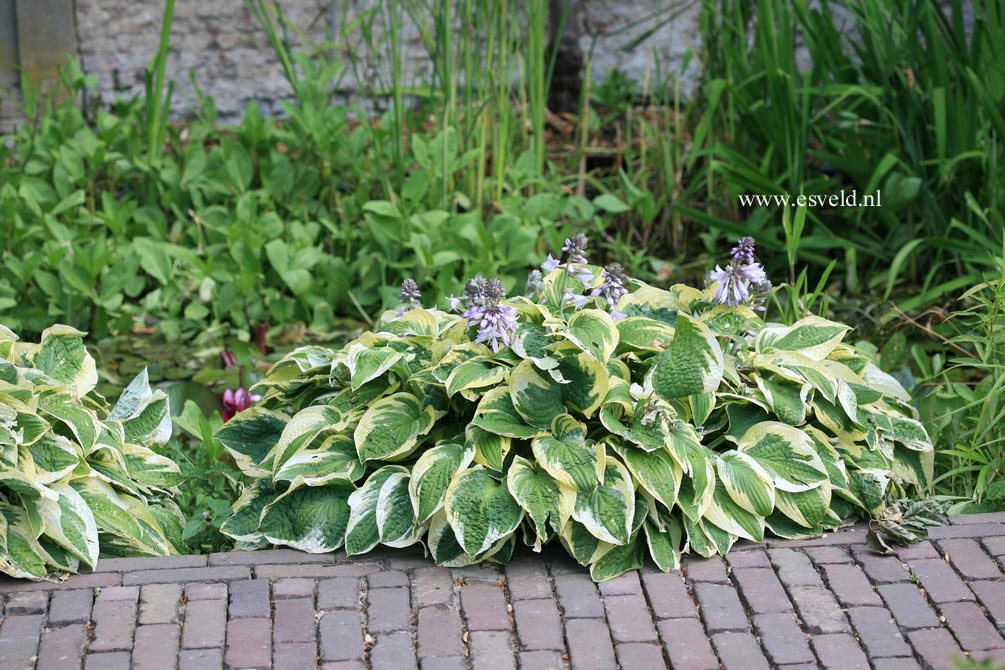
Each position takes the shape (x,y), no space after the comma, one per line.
(825,603)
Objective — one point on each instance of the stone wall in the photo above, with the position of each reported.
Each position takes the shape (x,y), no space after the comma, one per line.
(221,47)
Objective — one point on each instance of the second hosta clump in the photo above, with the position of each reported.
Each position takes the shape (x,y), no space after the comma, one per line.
(614,417)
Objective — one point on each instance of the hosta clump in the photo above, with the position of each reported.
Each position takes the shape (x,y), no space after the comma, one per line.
(618,423)
(77,480)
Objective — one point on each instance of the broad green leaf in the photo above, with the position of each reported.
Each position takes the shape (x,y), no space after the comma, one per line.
(149,468)
(302,430)
(474,374)
(308,518)
(656,472)
(786,453)
(496,414)
(536,396)
(566,456)
(71,525)
(639,333)
(81,421)
(806,508)
(730,517)
(362,533)
(396,524)
(250,436)
(812,337)
(335,459)
(692,364)
(61,355)
(608,510)
(698,463)
(54,457)
(593,331)
(390,428)
(748,484)
(367,363)
(480,510)
(537,493)
(432,474)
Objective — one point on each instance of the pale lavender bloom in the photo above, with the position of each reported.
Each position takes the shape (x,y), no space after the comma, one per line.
(495,320)
(455,303)
(550,264)
(575,247)
(578,301)
(535,284)
(743,252)
(732,288)
(753,272)
(410,296)
(582,273)
(613,288)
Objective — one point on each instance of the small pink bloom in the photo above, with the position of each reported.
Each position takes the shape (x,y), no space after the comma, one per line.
(237,401)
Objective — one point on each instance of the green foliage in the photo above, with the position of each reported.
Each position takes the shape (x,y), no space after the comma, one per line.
(210,481)
(680,427)
(77,479)
(960,398)
(897,97)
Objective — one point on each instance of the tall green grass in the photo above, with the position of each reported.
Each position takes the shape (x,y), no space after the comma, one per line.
(896,96)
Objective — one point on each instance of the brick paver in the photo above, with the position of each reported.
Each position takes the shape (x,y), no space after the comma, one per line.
(826,603)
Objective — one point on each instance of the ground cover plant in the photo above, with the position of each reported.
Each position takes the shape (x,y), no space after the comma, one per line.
(78,479)
(616,418)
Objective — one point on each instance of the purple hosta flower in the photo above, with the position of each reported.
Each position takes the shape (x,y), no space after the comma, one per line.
(575,248)
(613,288)
(743,252)
(550,264)
(237,401)
(410,296)
(535,284)
(743,281)
(455,303)
(732,288)
(578,301)
(495,320)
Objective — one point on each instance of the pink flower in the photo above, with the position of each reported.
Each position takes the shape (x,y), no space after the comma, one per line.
(237,401)
(229,359)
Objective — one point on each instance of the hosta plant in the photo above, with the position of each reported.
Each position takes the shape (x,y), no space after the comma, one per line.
(613,417)
(77,480)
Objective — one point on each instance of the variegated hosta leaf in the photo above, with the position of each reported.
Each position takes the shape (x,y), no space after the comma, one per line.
(391,427)
(698,463)
(490,449)
(432,474)
(335,459)
(586,379)
(61,355)
(301,432)
(242,525)
(806,508)
(396,523)
(362,533)
(496,414)
(250,436)
(787,400)
(812,337)
(664,534)
(727,515)
(786,453)
(593,331)
(150,469)
(655,471)
(566,457)
(125,517)
(538,494)
(747,483)
(308,518)
(474,374)
(692,363)
(536,396)
(367,363)
(617,559)
(608,510)
(639,333)
(480,510)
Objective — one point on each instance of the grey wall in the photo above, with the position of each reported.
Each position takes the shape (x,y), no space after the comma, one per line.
(221,44)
